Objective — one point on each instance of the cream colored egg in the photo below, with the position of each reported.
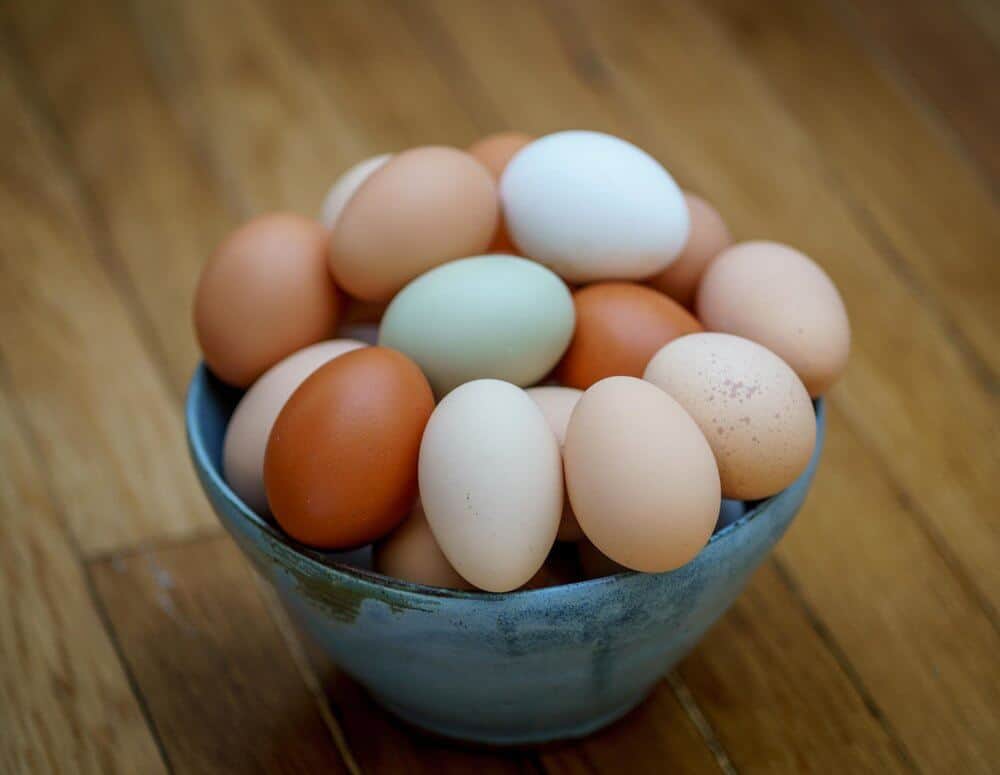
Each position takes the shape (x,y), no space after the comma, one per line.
(411,553)
(752,408)
(776,296)
(640,475)
(557,404)
(491,483)
(346,185)
(250,425)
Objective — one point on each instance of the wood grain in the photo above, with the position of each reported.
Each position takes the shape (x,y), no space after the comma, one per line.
(220,684)
(65,701)
(107,425)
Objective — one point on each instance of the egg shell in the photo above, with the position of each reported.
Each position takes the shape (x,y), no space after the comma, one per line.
(619,327)
(640,475)
(593,207)
(595,564)
(345,186)
(488,316)
(752,408)
(340,468)
(411,553)
(709,236)
(782,299)
(494,152)
(557,404)
(421,208)
(254,416)
(491,483)
(264,294)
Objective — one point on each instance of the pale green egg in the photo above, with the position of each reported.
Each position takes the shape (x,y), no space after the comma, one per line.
(493,316)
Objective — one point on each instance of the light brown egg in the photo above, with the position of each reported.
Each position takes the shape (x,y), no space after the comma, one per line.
(752,408)
(345,186)
(779,297)
(251,423)
(619,327)
(494,152)
(420,208)
(557,405)
(264,294)
(340,469)
(411,553)
(709,236)
(641,476)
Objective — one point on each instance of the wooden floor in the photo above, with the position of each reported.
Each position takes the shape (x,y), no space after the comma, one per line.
(134,133)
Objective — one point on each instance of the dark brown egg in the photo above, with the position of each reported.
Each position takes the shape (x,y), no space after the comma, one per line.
(340,468)
(619,327)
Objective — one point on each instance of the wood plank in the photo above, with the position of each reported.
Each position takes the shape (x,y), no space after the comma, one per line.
(893,161)
(151,194)
(107,425)
(946,58)
(219,682)
(65,701)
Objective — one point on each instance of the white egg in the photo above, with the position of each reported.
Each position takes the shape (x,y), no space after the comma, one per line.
(491,483)
(592,207)
(343,189)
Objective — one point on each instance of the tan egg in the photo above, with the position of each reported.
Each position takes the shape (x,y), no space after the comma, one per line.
(494,152)
(752,408)
(782,299)
(421,208)
(345,186)
(709,236)
(411,553)
(250,425)
(640,475)
(264,294)
(557,405)
(596,564)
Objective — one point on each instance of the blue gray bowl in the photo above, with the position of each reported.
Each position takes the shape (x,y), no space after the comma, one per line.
(516,668)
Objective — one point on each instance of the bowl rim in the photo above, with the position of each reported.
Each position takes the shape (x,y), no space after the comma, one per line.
(376,582)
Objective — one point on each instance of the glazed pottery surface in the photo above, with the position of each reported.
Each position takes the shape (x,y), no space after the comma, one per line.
(515,668)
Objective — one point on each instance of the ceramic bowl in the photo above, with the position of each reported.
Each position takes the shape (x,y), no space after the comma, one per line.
(516,668)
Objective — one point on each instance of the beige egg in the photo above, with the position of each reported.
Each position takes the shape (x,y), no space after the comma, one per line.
(491,483)
(346,186)
(708,238)
(250,425)
(557,405)
(752,408)
(776,296)
(640,475)
(419,209)
(594,563)
(411,553)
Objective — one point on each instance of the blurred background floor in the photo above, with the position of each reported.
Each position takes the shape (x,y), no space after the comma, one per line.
(136,133)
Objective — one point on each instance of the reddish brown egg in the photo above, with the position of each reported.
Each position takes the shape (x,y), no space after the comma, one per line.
(494,152)
(263,295)
(619,327)
(340,468)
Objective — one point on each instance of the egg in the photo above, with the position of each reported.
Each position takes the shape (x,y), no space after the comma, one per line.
(752,408)
(250,425)
(640,475)
(494,152)
(264,294)
(487,316)
(782,299)
(419,209)
(709,236)
(491,483)
(595,564)
(619,327)
(557,405)
(411,553)
(340,468)
(593,207)
(346,186)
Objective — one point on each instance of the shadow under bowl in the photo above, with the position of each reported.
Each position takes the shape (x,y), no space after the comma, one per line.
(502,669)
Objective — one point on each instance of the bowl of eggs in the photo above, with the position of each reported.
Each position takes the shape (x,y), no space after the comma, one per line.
(509,428)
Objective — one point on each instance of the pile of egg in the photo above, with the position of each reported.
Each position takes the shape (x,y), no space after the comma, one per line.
(474,355)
